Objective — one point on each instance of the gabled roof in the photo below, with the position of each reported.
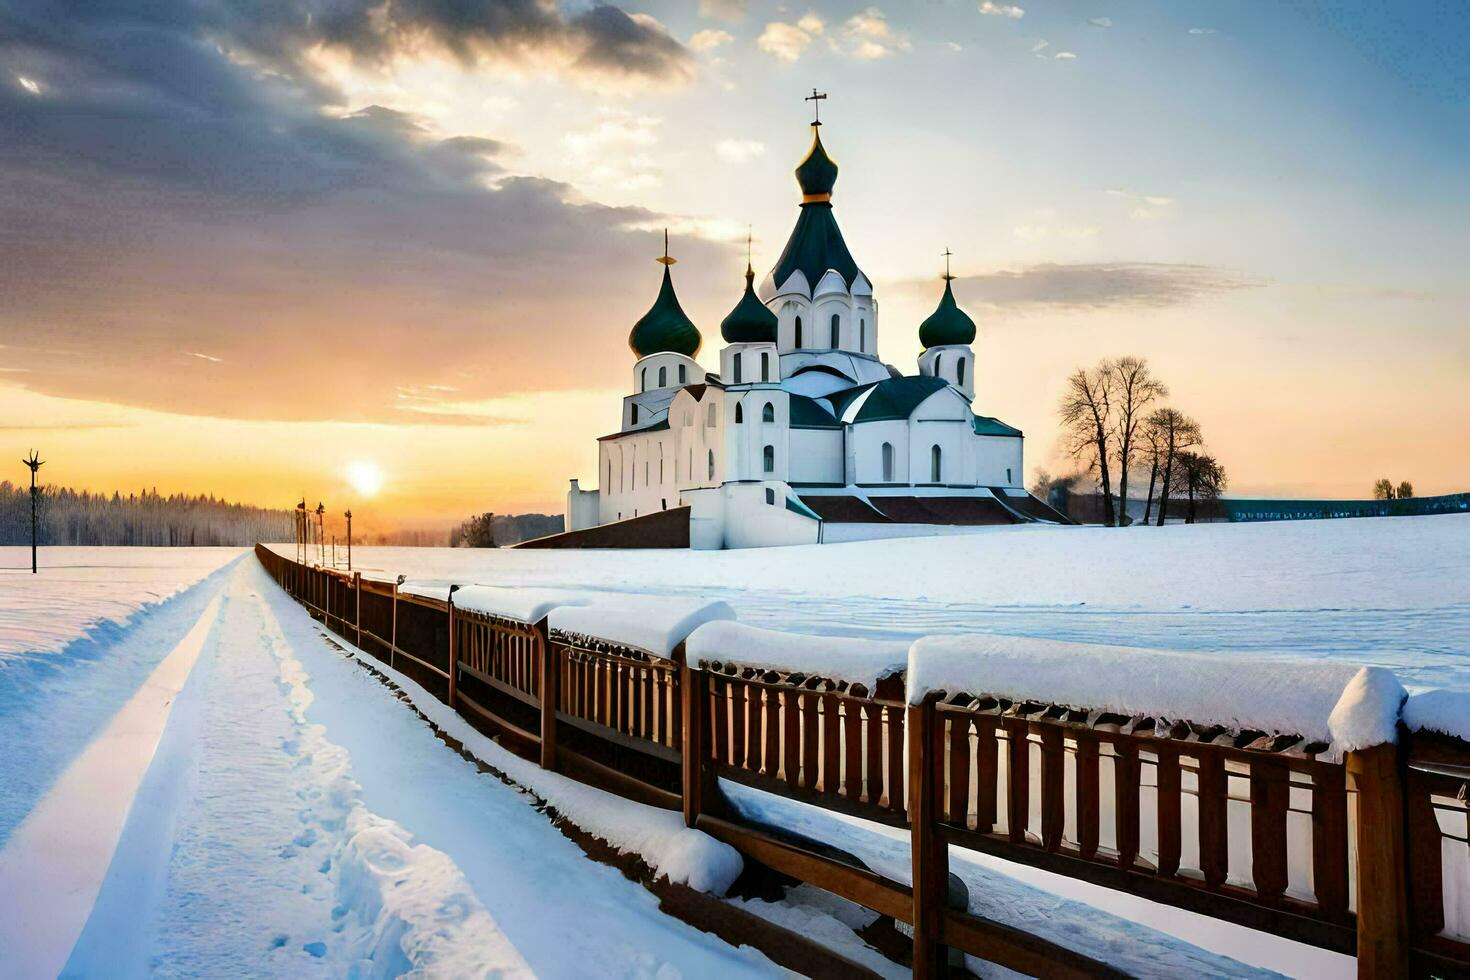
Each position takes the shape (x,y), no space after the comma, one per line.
(662,423)
(984,425)
(896,398)
(808,413)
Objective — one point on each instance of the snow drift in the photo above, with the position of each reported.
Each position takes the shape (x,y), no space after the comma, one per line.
(838,658)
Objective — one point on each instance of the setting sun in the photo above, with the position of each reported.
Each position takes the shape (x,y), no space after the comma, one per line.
(366,478)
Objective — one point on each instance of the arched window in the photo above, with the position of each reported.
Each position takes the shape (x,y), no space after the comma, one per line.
(711,464)
(632,414)
(660,462)
(770,495)
(1008,476)
(647,465)
(888,462)
(683,374)
(862,336)
(739,414)
(768,459)
(737,369)
(609,474)
(836,332)
(711,421)
(938,365)
(768,414)
(644,386)
(663,377)
(959,373)
(765,367)
(798,332)
(936,464)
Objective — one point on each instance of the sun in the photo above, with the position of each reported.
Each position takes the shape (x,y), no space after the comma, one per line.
(366,478)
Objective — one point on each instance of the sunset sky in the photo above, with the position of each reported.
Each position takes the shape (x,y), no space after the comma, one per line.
(263,250)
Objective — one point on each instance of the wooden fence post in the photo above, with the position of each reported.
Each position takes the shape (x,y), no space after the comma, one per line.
(357,593)
(1383,903)
(453,652)
(393,630)
(930,851)
(694,739)
(550,695)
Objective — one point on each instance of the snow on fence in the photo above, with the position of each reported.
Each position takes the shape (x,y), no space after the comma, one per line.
(1304,799)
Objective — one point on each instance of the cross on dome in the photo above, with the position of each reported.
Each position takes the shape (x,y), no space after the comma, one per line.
(816,100)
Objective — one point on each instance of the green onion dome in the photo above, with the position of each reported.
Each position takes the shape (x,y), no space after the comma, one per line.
(750,322)
(665,327)
(948,324)
(817,174)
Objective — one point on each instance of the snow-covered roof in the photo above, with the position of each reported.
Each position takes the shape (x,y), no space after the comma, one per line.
(524,605)
(837,658)
(1345,705)
(653,623)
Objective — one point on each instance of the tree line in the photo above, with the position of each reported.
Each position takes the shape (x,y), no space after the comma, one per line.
(1385,490)
(148,518)
(1115,422)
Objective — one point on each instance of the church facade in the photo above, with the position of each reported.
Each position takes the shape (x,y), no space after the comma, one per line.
(804,435)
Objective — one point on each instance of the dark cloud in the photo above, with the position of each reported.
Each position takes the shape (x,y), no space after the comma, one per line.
(1099,285)
(161,194)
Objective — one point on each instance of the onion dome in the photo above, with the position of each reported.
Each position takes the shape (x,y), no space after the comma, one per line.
(750,322)
(665,328)
(817,173)
(948,324)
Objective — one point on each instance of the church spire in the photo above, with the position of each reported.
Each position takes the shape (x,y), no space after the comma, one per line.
(665,327)
(750,322)
(816,244)
(948,324)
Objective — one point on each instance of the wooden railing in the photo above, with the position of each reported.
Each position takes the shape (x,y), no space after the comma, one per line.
(1366,856)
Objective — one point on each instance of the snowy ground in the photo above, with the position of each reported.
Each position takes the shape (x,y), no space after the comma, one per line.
(1392,592)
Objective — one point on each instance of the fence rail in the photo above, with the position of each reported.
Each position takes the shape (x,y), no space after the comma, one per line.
(1367,855)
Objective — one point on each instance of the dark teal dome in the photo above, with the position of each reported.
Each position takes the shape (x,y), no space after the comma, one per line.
(750,322)
(948,324)
(665,328)
(817,174)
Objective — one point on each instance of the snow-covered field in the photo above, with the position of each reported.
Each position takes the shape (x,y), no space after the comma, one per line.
(1391,592)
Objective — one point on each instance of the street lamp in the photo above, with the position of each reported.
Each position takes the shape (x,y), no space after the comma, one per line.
(301,532)
(35,463)
(349,540)
(321,533)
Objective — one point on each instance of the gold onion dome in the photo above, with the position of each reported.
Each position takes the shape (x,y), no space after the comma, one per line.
(665,328)
(948,324)
(750,322)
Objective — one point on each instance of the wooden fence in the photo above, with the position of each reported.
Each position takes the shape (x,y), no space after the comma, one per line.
(1366,856)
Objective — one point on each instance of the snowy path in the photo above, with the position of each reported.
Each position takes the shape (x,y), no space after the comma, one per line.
(298,820)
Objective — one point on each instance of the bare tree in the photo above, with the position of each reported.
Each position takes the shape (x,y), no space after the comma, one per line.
(1383,489)
(1154,447)
(1199,476)
(1178,432)
(1134,389)
(1086,410)
(1405,490)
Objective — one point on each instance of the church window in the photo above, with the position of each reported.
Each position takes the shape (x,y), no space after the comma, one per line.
(633,415)
(711,464)
(711,422)
(765,367)
(683,374)
(645,380)
(647,466)
(660,462)
(739,415)
(770,495)
(798,332)
(663,377)
(609,474)
(768,459)
(959,373)
(737,369)
(1008,476)
(888,462)
(862,336)
(936,464)
(768,414)
(836,332)
(663,503)
(938,365)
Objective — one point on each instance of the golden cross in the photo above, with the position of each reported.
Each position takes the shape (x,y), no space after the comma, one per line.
(947,254)
(816,100)
(666,259)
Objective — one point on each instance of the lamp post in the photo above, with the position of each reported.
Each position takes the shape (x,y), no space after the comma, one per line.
(35,463)
(301,532)
(321,534)
(349,539)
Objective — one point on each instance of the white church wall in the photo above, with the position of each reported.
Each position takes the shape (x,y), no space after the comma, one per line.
(956,454)
(638,475)
(663,370)
(582,508)
(816,456)
(756,517)
(999,461)
(866,444)
(747,364)
(945,362)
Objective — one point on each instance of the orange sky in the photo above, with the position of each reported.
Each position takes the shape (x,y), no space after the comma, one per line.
(291,252)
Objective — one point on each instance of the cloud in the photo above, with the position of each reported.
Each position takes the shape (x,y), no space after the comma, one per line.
(204,357)
(708,39)
(868,36)
(29,84)
(723,9)
(783,41)
(1009,10)
(1103,22)
(185,187)
(1094,286)
(1146,207)
(1064,56)
(1039,47)
(739,151)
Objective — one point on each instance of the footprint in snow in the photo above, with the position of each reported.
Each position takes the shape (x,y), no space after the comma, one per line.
(316,949)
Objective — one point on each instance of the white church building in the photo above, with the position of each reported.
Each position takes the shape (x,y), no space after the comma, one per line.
(804,435)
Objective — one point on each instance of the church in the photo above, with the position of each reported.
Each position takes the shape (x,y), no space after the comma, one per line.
(804,435)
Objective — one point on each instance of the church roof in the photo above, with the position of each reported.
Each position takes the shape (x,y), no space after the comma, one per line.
(892,398)
(816,243)
(750,322)
(948,324)
(808,413)
(665,327)
(984,425)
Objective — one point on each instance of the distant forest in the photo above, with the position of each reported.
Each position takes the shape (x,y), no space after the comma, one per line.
(150,519)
